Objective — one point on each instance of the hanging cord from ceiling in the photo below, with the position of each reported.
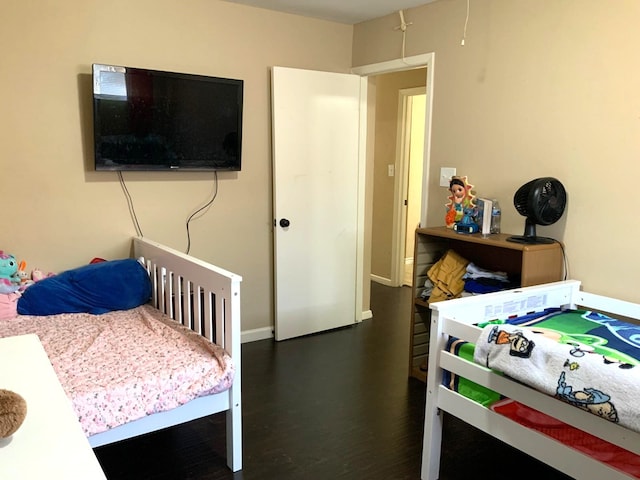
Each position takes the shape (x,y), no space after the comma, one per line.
(466,21)
(403,28)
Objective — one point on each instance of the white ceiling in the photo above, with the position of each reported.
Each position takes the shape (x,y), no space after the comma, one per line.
(342,11)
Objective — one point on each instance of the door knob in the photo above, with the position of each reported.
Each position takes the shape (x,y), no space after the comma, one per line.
(284,223)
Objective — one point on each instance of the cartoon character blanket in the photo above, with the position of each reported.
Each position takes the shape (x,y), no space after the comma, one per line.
(584,358)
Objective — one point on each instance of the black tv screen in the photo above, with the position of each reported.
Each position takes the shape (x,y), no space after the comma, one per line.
(154,120)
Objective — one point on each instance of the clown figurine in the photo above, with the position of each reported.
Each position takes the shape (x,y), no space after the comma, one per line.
(461,201)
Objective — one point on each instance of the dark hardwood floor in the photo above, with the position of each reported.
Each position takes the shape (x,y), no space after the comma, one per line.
(336,405)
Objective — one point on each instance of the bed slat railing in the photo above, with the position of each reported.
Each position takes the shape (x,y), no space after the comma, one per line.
(193,306)
(560,456)
(540,401)
(608,305)
(509,303)
(208,303)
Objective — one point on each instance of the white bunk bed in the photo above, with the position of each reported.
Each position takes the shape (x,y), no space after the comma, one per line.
(457,318)
(199,296)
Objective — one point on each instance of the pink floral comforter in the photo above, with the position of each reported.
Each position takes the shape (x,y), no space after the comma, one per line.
(123,365)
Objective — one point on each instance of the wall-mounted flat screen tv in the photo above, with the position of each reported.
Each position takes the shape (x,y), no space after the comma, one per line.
(154,120)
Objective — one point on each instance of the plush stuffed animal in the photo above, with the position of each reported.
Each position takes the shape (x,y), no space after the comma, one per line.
(7,286)
(25,280)
(37,275)
(13,410)
(9,280)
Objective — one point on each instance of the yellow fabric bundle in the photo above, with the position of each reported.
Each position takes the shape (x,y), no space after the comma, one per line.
(446,275)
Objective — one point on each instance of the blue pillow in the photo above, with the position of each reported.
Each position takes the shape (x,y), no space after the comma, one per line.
(96,288)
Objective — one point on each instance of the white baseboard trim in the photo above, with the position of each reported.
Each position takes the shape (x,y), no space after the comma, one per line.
(256,334)
(382,280)
(264,333)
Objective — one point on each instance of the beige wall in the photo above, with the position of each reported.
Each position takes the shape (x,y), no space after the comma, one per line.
(58,213)
(541,88)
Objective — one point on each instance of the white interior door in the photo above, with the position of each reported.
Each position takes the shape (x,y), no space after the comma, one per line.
(315,190)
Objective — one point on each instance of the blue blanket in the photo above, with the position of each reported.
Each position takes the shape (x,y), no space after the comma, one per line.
(96,288)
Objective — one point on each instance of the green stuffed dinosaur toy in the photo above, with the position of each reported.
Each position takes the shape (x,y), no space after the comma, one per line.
(9,279)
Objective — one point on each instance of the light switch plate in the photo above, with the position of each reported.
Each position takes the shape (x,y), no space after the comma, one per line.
(445,176)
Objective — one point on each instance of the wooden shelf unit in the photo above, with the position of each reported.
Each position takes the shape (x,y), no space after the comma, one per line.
(534,264)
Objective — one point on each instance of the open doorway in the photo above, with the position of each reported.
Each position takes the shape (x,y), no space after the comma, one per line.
(424,62)
(398,166)
(412,114)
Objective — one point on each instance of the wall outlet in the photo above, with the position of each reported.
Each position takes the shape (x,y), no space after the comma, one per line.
(445,176)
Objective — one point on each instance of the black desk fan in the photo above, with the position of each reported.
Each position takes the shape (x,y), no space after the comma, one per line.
(542,201)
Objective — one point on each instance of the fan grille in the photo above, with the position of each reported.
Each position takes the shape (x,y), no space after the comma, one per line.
(548,198)
(542,201)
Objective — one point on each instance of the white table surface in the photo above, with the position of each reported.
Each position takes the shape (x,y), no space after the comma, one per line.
(50,444)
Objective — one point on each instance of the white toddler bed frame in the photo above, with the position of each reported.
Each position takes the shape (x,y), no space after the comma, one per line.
(456,318)
(206,299)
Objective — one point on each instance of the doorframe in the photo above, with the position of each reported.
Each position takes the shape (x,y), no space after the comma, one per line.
(407,63)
